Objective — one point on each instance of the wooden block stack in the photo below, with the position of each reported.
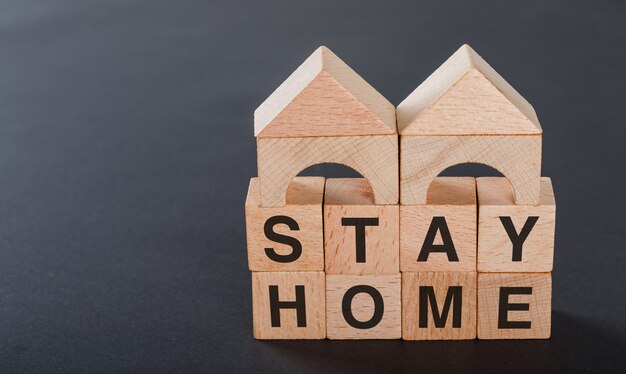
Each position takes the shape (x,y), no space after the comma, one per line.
(401,252)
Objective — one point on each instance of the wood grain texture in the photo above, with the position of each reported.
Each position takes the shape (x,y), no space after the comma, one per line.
(353,198)
(324,97)
(422,158)
(314,292)
(495,248)
(539,302)
(374,157)
(454,199)
(304,205)
(362,307)
(466,96)
(440,283)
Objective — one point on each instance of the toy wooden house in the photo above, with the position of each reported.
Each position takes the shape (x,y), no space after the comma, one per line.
(401,252)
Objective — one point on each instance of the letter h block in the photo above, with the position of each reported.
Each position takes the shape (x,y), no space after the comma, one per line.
(286,256)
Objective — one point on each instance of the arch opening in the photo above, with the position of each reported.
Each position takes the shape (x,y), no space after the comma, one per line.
(471,169)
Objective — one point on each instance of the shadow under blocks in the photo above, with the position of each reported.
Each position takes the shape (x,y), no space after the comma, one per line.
(402,252)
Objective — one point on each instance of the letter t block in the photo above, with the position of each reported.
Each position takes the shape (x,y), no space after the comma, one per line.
(360,238)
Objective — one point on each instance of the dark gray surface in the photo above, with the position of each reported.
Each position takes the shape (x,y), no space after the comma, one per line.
(126,147)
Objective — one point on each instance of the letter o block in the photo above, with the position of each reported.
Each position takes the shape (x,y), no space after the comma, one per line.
(363,307)
(287,238)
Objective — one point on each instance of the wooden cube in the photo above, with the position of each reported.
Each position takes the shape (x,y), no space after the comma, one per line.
(289,305)
(439,305)
(514,305)
(359,237)
(287,238)
(363,306)
(441,234)
(514,238)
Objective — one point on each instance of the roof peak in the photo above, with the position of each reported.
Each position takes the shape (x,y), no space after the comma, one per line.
(324,97)
(465,96)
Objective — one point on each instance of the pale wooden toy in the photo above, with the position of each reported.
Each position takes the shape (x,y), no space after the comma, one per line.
(363,306)
(465,112)
(289,305)
(288,238)
(439,305)
(326,113)
(441,234)
(514,305)
(359,236)
(475,254)
(514,238)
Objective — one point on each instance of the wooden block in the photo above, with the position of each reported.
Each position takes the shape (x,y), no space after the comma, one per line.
(324,97)
(288,238)
(514,238)
(441,234)
(514,305)
(374,157)
(363,306)
(359,237)
(289,305)
(422,158)
(466,96)
(439,305)
(465,112)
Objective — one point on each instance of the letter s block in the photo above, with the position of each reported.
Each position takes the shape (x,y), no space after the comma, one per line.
(514,305)
(289,305)
(363,306)
(359,237)
(287,238)
(439,305)
(514,238)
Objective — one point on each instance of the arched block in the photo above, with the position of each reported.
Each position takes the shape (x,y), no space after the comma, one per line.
(517,157)
(374,157)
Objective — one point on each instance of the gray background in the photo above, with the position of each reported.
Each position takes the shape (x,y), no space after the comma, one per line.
(126,146)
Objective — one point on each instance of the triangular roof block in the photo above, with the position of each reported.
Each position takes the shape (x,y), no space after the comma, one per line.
(465,96)
(324,97)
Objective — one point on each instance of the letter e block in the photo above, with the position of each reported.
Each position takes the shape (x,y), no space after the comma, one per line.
(514,238)
(441,234)
(363,306)
(359,237)
(287,238)
(439,305)
(514,305)
(289,305)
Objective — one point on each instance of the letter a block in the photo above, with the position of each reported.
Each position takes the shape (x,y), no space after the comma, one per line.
(514,238)
(289,305)
(439,305)
(363,306)
(514,305)
(287,238)
(359,237)
(441,234)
